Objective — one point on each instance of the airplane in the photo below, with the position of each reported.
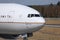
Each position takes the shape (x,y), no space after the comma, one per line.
(17,19)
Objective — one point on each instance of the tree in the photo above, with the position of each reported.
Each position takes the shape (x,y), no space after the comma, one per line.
(58,3)
(51,4)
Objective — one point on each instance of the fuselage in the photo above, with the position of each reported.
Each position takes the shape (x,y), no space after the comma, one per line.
(18,19)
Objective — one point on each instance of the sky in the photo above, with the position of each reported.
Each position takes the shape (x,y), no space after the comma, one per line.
(30,2)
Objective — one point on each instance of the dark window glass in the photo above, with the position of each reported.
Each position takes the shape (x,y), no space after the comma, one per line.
(32,15)
(37,15)
(29,15)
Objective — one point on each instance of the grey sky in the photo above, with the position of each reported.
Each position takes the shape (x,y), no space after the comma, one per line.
(30,2)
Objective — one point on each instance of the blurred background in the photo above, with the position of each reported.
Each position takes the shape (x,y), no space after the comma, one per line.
(48,11)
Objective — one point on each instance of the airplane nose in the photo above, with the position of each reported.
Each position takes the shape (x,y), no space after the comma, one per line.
(42,20)
(41,23)
(38,24)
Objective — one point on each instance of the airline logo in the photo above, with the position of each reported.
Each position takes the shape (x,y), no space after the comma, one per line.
(5,16)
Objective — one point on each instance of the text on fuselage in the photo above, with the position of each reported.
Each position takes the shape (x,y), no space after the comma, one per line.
(5,16)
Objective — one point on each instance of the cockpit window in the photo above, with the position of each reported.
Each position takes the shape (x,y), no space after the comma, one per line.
(37,15)
(29,15)
(33,15)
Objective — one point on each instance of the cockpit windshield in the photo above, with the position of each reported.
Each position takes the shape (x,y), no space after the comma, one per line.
(37,15)
(33,15)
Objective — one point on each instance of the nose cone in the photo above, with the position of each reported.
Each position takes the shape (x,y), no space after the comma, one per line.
(41,23)
(42,20)
(37,25)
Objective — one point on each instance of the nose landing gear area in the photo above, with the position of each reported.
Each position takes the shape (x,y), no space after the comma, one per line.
(16,36)
(24,36)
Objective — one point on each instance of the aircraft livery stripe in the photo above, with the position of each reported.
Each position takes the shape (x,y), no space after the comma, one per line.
(24,22)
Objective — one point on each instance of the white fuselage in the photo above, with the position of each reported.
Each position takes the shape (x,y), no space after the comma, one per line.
(14,19)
